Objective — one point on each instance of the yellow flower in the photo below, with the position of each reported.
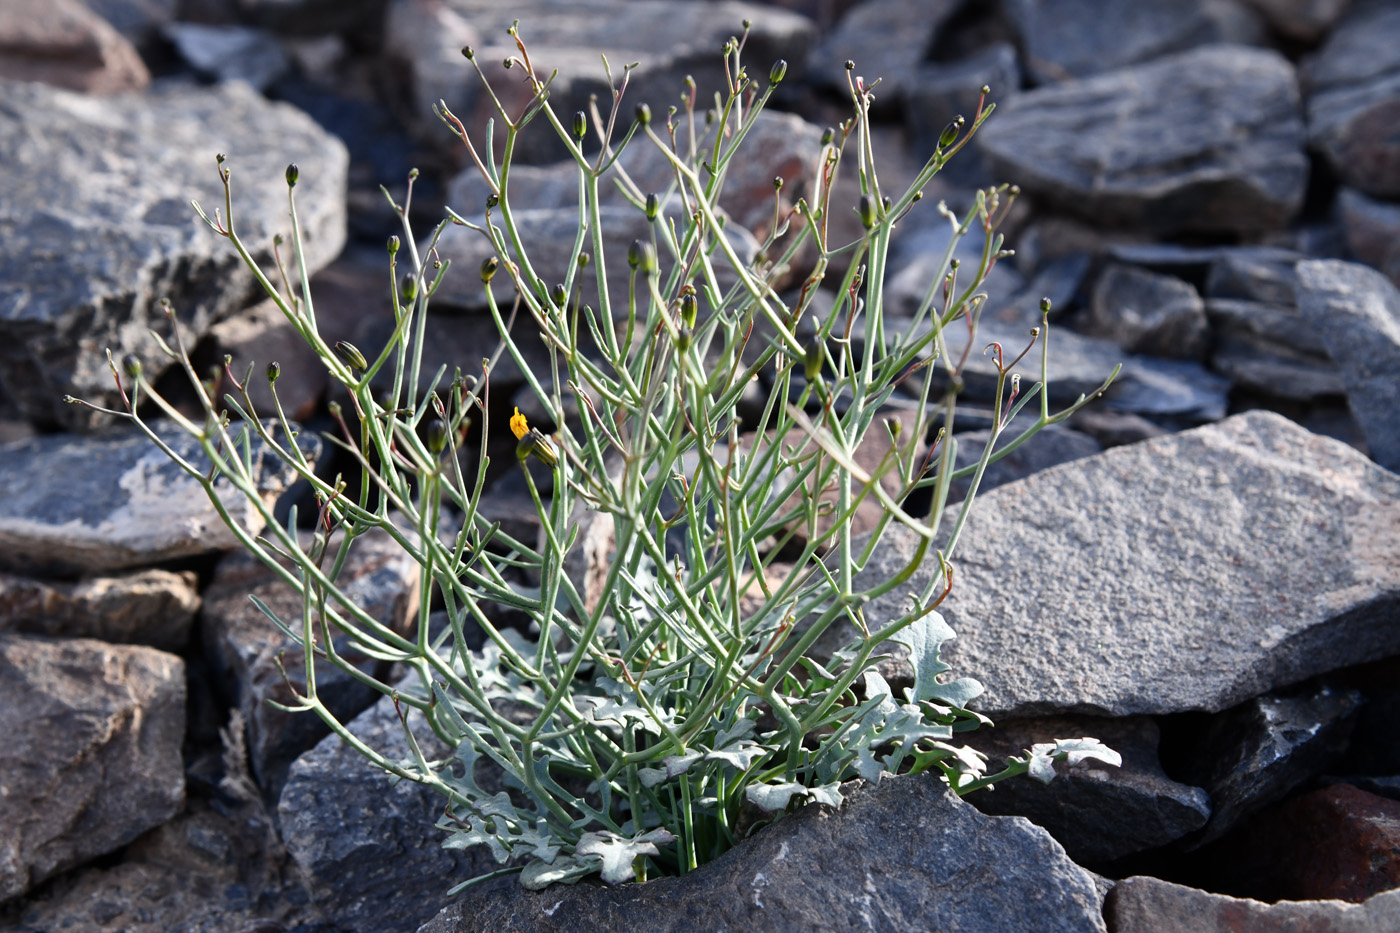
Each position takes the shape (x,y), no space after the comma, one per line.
(519,426)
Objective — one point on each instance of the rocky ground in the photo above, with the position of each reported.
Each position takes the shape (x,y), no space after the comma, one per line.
(1202,569)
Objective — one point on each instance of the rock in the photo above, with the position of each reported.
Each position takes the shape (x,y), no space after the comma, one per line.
(362,19)
(65,44)
(1270,349)
(1253,275)
(1226,561)
(1355,311)
(149,607)
(138,20)
(367,849)
(1372,231)
(1099,813)
(427,38)
(230,53)
(92,752)
(1353,97)
(1260,751)
(1144,312)
(98,195)
(245,646)
(1150,905)
(887,39)
(940,92)
(93,504)
(1054,444)
(668,41)
(1186,261)
(903,855)
(262,335)
(1335,843)
(1114,428)
(1207,141)
(1303,20)
(1067,39)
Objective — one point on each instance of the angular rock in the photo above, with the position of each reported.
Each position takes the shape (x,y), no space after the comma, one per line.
(245,646)
(1355,311)
(149,607)
(1054,444)
(230,53)
(92,752)
(368,849)
(1207,141)
(93,504)
(1353,97)
(1067,39)
(98,195)
(1187,572)
(427,37)
(259,336)
(1145,312)
(940,92)
(1372,231)
(1150,905)
(1270,349)
(903,855)
(1114,428)
(138,20)
(887,39)
(1304,20)
(1338,842)
(1260,751)
(1251,274)
(65,44)
(1099,813)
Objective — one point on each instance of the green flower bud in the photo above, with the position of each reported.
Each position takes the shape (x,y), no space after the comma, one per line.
(580,123)
(777,183)
(690,306)
(292,174)
(584,259)
(642,257)
(813,357)
(950,132)
(683,338)
(643,114)
(489,265)
(393,245)
(828,136)
(274,369)
(777,72)
(410,287)
(492,200)
(219,158)
(437,435)
(653,206)
(1045,306)
(131,365)
(850,65)
(558,295)
(468,52)
(351,356)
(867,211)
(536,444)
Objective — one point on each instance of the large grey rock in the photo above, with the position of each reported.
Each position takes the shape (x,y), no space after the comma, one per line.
(92,504)
(230,53)
(1068,39)
(1353,97)
(91,757)
(1187,572)
(1208,141)
(1305,20)
(887,39)
(368,849)
(245,647)
(149,607)
(1053,445)
(903,855)
(1098,812)
(1355,311)
(1260,751)
(97,196)
(1270,349)
(1372,230)
(1146,312)
(940,92)
(65,44)
(1150,905)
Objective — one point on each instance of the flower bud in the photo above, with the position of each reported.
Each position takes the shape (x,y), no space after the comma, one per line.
(867,211)
(777,183)
(492,200)
(643,114)
(351,356)
(683,338)
(393,245)
(274,369)
(468,52)
(131,365)
(410,287)
(828,136)
(558,295)
(1045,306)
(690,306)
(584,259)
(642,257)
(653,206)
(292,174)
(850,65)
(489,265)
(813,358)
(580,123)
(950,132)
(777,72)
(437,435)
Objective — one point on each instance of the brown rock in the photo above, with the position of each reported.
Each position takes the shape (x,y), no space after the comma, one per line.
(151,607)
(1150,905)
(63,43)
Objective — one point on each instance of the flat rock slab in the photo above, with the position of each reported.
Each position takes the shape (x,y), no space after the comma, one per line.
(1151,905)
(91,757)
(149,607)
(903,855)
(92,504)
(1188,572)
(1355,311)
(1208,141)
(96,220)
